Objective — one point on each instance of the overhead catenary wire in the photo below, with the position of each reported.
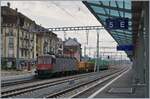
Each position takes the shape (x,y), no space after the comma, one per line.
(68,13)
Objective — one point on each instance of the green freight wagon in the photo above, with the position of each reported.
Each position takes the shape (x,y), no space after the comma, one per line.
(103,64)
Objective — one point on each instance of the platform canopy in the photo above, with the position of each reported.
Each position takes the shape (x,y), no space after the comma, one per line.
(105,9)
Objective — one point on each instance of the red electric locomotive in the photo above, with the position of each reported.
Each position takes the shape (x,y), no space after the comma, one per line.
(45,64)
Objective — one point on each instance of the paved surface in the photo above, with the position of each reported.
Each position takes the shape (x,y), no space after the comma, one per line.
(124,84)
(11,75)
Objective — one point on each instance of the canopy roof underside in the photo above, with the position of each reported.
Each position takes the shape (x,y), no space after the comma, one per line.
(103,10)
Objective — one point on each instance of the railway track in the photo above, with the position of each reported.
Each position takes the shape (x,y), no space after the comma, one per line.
(30,88)
(18,79)
(38,85)
(73,92)
(100,85)
(14,82)
(17,82)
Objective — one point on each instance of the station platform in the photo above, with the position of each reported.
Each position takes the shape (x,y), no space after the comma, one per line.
(123,88)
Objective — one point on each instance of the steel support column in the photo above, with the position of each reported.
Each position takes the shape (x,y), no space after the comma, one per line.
(146,39)
(140,62)
(141,56)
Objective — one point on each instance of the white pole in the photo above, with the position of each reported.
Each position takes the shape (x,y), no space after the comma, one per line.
(97,50)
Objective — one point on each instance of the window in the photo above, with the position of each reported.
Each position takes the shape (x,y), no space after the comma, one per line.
(22,53)
(33,55)
(25,53)
(44,60)
(10,53)
(2,31)
(10,33)
(40,60)
(11,42)
(47,60)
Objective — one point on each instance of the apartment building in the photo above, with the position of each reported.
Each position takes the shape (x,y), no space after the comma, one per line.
(47,42)
(18,38)
(60,47)
(22,39)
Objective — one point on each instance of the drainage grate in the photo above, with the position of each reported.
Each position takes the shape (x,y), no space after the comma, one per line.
(121,91)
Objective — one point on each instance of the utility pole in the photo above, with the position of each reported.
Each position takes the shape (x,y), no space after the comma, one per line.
(87,36)
(97,51)
(84,50)
(18,26)
(65,36)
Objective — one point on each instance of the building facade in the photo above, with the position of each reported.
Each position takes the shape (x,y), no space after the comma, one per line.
(72,48)
(47,42)
(22,39)
(18,39)
(60,47)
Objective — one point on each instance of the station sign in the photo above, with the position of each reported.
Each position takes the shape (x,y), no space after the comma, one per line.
(125,47)
(117,23)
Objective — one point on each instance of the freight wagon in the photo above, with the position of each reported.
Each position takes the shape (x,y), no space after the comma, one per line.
(103,64)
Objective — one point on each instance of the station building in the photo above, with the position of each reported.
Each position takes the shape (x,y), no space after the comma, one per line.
(72,48)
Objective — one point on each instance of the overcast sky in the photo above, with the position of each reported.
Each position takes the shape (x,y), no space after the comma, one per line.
(64,13)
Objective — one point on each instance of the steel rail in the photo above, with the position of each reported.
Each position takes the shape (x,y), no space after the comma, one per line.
(57,94)
(17,82)
(98,83)
(36,86)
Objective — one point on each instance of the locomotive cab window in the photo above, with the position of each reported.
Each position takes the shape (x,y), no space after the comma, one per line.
(53,60)
(47,60)
(44,60)
(40,60)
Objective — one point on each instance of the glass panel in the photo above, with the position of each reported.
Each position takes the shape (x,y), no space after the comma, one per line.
(10,52)
(49,61)
(130,28)
(96,2)
(122,34)
(127,4)
(106,3)
(121,31)
(128,15)
(123,38)
(40,60)
(121,13)
(118,34)
(128,32)
(113,4)
(107,10)
(98,9)
(103,18)
(11,42)
(120,4)
(114,13)
(130,23)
